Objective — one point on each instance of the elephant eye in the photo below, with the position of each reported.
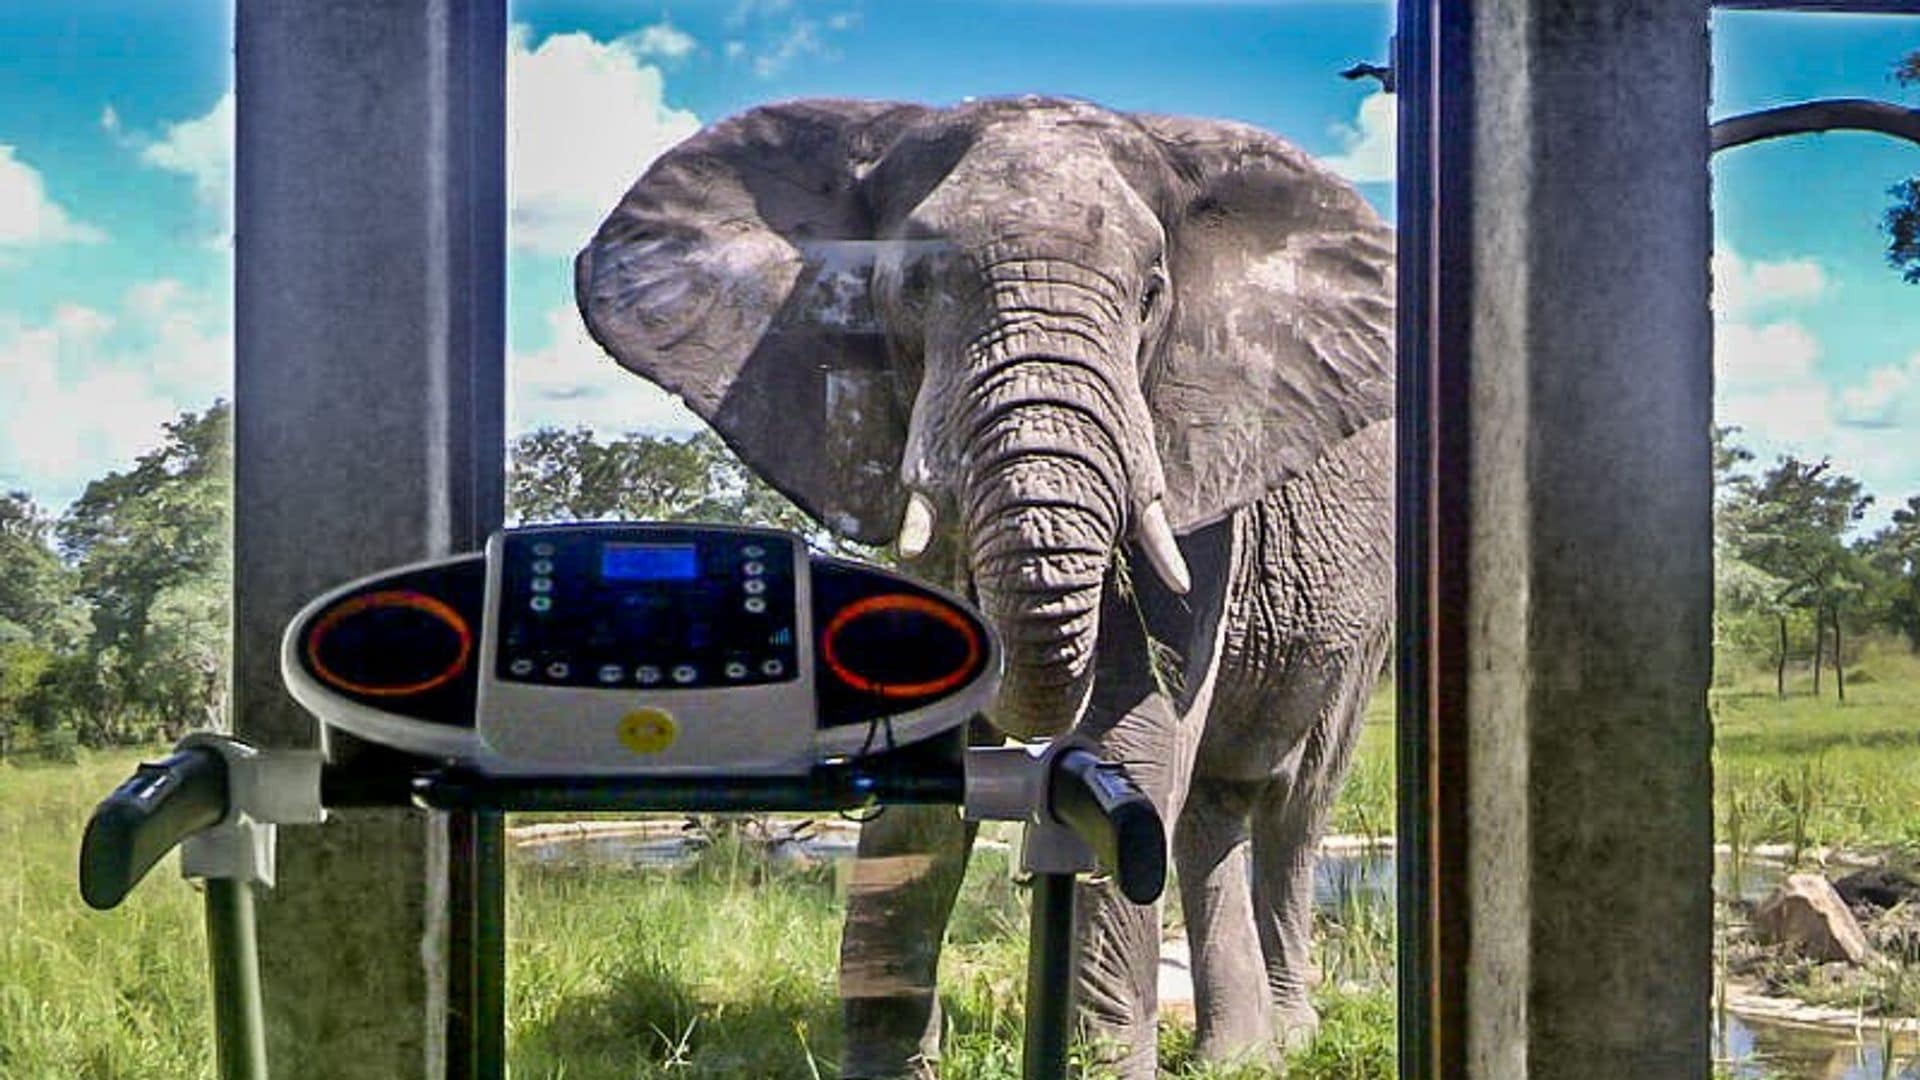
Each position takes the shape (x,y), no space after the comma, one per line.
(1150,296)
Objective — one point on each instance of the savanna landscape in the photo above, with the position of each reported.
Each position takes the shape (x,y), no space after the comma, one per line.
(722,963)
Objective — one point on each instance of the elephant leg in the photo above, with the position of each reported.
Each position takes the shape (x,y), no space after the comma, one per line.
(1288,821)
(908,871)
(1213,854)
(1117,973)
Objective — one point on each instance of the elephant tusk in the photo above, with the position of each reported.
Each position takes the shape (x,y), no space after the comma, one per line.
(1156,537)
(916,525)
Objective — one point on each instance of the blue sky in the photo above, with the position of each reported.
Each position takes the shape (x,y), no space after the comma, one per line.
(115,174)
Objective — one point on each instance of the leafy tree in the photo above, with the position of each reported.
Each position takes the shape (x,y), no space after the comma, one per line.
(1903,216)
(37,601)
(1893,554)
(40,616)
(151,550)
(556,475)
(1791,524)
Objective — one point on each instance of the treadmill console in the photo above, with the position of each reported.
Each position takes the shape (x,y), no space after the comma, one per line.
(640,649)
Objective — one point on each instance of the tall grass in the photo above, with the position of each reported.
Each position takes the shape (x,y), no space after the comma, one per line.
(726,969)
(85,994)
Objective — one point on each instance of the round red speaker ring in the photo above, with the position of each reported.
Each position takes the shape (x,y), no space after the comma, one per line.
(405,598)
(901,602)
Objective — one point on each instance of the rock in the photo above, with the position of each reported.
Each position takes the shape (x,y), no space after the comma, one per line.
(1880,886)
(1806,912)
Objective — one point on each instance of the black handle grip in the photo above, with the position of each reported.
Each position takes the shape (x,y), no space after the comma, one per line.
(1103,806)
(161,804)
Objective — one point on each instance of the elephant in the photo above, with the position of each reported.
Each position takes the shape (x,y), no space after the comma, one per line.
(1123,379)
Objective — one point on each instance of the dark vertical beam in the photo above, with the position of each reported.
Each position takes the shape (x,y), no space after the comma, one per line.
(1435,287)
(368,432)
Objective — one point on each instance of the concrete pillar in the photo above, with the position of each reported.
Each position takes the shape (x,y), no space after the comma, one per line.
(368,428)
(1578,354)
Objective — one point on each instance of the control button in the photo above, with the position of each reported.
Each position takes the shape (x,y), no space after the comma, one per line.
(558,670)
(541,603)
(647,731)
(612,673)
(685,673)
(753,551)
(646,674)
(542,584)
(755,604)
(543,548)
(522,666)
(772,668)
(755,586)
(543,566)
(754,569)
(736,670)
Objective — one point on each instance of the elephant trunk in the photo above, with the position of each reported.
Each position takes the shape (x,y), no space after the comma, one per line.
(1044,500)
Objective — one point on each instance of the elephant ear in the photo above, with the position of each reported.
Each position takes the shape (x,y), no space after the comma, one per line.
(1281,341)
(735,274)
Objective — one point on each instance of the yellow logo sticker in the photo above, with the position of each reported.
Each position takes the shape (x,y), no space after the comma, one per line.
(648,731)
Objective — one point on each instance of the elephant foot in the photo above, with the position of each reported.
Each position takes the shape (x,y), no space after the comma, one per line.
(1295,1026)
(891,1038)
(1122,1060)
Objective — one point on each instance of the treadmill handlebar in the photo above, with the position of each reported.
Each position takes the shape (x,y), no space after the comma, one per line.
(159,806)
(1107,810)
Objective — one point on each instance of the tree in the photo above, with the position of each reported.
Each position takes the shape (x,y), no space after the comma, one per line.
(556,475)
(151,550)
(1791,524)
(1903,216)
(40,616)
(1893,554)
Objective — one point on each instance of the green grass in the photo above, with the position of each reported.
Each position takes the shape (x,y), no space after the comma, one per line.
(85,994)
(725,970)
(1808,771)
(1366,803)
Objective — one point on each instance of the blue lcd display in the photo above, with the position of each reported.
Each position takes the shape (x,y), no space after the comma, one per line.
(648,562)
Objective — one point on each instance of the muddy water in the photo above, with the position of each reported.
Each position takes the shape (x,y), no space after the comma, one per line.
(1345,879)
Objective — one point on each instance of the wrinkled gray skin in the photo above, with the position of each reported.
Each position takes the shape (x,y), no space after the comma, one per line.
(1057,323)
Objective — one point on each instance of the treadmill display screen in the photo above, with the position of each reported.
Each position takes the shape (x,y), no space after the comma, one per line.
(648,562)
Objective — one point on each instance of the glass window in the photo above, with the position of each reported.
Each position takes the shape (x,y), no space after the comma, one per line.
(1816,697)
(805,279)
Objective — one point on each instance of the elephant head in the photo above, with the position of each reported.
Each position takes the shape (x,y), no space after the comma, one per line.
(1031,330)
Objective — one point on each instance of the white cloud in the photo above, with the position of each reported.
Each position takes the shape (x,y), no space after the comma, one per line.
(110,120)
(1740,286)
(1888,397)
(585,118)
(801,39)
(573,382)
(87,391)
(28,217)
(1367,146)
(1767,385)
(750,9)
(664,40)
(1767,379)
(202,150)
